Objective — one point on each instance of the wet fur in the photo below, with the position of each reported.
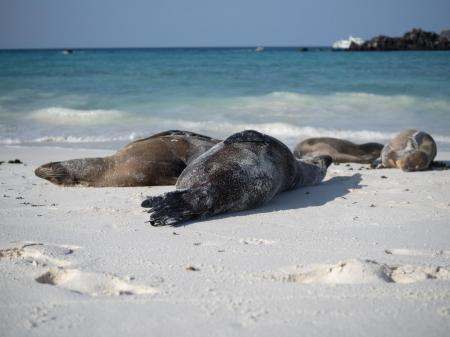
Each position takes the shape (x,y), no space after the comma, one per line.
(342,151)
(410,150)
(245,171)
(155,160)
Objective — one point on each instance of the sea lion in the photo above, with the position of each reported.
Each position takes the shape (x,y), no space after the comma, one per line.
(244,171)
(342,151)
(410,150)
(155,160)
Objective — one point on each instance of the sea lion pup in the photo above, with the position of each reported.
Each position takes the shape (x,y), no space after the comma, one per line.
(342,151)
(156,160)
(244,171)
(410,150)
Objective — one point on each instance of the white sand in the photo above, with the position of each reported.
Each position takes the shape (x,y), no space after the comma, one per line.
(358,255)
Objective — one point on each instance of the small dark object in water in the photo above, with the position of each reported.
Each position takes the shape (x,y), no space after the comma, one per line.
(383,177)
(15,161)
(191,268)
(303,49)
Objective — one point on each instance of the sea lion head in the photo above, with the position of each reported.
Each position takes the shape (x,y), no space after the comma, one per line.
(56,173)
(323,161)
(416,161)
(312,170)
(372,149)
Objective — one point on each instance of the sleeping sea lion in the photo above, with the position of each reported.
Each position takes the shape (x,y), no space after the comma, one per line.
(156,160)
(244,171)
(410,150)
(342,151)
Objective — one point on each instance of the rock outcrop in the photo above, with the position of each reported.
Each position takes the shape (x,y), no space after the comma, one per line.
(417,39)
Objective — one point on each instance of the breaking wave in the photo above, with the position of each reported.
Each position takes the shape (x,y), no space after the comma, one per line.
(289,134)
(288,116)
(60,115)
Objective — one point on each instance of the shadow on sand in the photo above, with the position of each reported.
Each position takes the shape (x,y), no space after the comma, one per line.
(303,197)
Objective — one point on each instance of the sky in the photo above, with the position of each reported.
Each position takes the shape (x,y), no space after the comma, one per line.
(206,23)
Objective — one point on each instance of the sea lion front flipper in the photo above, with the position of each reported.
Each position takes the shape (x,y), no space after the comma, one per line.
(439,165)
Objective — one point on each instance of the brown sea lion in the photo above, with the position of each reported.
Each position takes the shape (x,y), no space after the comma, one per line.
(156,160)
(244,171)
(342,151)
(410,150)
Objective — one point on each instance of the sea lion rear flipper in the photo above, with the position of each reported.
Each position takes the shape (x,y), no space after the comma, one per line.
(176,206)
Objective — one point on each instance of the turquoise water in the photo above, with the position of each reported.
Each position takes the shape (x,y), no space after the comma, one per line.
(104,98)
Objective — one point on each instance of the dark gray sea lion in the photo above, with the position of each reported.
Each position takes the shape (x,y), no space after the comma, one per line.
(156,160)
(342,151)
(410,150)
(245,171)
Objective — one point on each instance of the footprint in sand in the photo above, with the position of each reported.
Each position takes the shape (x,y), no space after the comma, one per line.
(93,284)
(256,242)
(418,252)
(40,254)
(56,257)
(356,271)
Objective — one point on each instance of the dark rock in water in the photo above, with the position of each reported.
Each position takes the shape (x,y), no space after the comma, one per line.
(303,49)
(417,39)
(15,161)
(445,34)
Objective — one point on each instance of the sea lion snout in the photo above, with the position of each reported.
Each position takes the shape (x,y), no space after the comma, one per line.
(327,160)
(322,161)
(55,173)
(416,161)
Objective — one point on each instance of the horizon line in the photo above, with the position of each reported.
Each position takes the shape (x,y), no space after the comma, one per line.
(163,47)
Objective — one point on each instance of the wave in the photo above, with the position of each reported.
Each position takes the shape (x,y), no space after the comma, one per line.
(290,134)
(289,104)
(83,139)
(10,141)
(286,106)
(289,116)
(60,115)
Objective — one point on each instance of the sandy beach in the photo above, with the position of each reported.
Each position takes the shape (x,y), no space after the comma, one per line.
(365,253)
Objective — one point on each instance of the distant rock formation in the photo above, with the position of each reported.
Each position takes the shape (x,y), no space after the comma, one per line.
(417,39)
(446,34)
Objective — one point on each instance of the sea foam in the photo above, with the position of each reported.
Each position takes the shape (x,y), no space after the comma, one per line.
(61,115)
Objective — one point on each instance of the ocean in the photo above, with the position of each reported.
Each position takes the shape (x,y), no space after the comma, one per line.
(108,97)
